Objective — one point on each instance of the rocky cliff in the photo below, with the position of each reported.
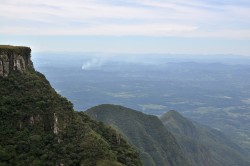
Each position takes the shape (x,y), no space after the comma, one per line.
(14,58)
(39,127)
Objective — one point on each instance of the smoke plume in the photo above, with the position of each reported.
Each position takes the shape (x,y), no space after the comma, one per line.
(93,64)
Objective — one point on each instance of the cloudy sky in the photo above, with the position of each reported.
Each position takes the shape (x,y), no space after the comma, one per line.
(128,26)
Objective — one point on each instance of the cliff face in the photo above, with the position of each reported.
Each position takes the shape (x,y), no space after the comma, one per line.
(14,58)
(39,127)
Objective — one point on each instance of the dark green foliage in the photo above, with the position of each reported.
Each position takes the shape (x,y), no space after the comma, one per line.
(146,132)
(40,127)
(205,146)
(8,49)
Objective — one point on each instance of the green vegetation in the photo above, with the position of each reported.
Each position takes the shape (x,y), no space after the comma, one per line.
(40,127)
(14,49)
(205,146)
(157,145)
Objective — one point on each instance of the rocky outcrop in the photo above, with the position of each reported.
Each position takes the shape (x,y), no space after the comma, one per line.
(14,58)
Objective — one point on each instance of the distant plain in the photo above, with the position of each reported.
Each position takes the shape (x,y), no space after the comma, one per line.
(212,90)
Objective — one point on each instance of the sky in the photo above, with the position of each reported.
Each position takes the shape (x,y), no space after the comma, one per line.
(128,26)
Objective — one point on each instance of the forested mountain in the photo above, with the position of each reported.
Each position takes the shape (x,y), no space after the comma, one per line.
(157,145)
(40,127)
(205,146)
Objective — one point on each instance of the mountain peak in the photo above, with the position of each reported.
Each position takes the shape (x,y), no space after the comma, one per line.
(179,123)
(173,113)
(175,116)
(14,58)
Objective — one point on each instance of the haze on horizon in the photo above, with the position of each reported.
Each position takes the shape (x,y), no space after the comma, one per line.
(128,26)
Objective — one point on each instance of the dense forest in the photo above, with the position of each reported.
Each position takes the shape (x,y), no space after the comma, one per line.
(40,127)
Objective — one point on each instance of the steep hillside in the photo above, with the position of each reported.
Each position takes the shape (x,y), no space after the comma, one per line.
(156,144)
(40,127)
(204,145)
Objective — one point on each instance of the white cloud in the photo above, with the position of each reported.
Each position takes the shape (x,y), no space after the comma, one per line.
(107,29)
(139,17)
(225,33)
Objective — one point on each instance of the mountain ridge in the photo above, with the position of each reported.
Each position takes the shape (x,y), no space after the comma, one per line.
(207,146)
(146,132)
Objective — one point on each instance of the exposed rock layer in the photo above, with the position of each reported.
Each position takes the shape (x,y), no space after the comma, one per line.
(14,58)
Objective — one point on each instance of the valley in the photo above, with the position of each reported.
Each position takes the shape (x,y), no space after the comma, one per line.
(213,92)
